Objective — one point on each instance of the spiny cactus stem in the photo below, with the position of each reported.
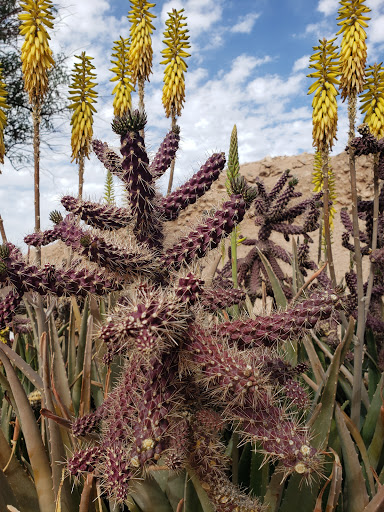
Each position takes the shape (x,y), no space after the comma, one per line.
(358,352)
(327,230)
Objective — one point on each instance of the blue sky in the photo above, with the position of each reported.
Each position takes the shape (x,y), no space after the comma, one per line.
(248,66)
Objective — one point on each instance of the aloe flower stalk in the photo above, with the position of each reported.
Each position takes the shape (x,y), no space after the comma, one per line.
(140,51)
(36,58)
(122,101)
(82,96)
(176,42)
(3,116)
(353,20)
(373,100)
(327,68)
(318,182)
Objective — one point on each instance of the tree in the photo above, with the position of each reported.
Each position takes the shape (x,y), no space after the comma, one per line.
(18,134)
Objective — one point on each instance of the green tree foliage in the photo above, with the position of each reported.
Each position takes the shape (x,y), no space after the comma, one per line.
(19,131)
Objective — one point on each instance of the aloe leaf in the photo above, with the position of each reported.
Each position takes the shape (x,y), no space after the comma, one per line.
(57,450)
(376,446)
(320,430)
(363,451)
(149,496)
(25,368)
(335,489)
(355,484)
(6,495)
(35,447)
(76,390)
(373,412)
(274,492)
(203,497)
(191,499)
(21,485)
(281,299)
(59,373)
(377,503)
(373,371)
(85,397)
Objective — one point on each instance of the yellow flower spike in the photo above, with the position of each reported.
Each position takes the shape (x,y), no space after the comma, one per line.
(324,117)
(353,52)
(176,41)
(122,101)
(373,100)
(140,53)
(36,55)
(3,116)
(82,96)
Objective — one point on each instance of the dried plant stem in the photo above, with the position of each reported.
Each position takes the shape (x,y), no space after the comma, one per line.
(375,227)
(81,174)
(140,86)
(36,111)
(327,230)
(87,493)
(172,168)
(358,351)
(2,231)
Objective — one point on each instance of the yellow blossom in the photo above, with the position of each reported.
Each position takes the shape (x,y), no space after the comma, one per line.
(353,52)
(176,41)
(140,53)
(373,100)
(324,115)
(122,101)
(36,55)
(82,96)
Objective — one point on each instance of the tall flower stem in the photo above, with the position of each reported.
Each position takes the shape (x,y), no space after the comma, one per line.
(358,353)
(327,230)
(81,174)
(172,166)
(140,90)
(375,228)
(36,110)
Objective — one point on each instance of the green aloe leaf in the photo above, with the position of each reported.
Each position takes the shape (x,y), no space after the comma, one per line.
(36,451)
(355,484)
(373,412)
(281,299)
(148,495)
(320,429)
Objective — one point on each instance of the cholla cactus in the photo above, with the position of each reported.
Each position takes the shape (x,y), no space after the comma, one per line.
(3,116)
(324,116)
(36,55)
(176,365)
(373,100)
(122,101)
(140,51)
(176,41)
(82,97)
(353,46)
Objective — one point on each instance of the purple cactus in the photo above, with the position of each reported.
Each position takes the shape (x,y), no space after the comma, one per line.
(165,154)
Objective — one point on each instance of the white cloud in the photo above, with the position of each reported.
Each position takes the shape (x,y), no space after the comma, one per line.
(245,23)
(376,32)
(328,7)
(301,63)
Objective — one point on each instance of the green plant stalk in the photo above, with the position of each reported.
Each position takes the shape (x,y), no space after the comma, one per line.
(172,167)
(327,230)
(358,350)
(375,227)
(36,110)
(81,174)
